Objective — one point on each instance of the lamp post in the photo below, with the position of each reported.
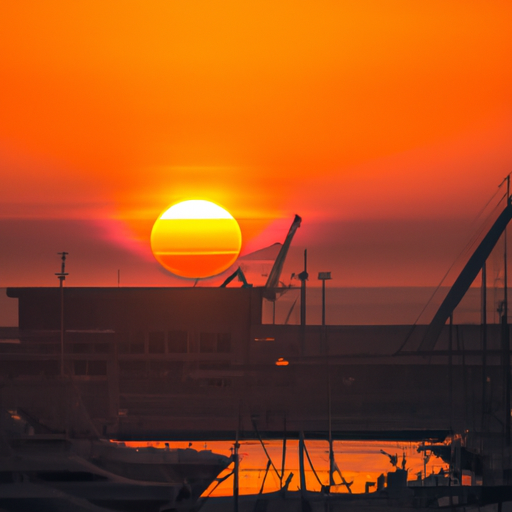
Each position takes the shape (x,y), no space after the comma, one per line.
(62,276)
(326,276)
(323,276)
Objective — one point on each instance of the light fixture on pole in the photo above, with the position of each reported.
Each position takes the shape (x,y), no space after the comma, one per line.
(323,276)
(326,276)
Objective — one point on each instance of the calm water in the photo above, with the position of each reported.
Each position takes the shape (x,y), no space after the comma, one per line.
(357,461)
(377,306)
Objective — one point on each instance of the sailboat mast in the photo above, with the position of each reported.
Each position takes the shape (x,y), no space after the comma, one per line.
(331,447)
(302,472)
(283,459)
(236,464)
(505,266)
(506,333)
(484,345)
(303,276)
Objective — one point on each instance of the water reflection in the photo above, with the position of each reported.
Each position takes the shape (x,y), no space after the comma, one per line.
(359,462)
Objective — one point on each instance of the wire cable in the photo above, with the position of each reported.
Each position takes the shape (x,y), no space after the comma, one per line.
(472,241)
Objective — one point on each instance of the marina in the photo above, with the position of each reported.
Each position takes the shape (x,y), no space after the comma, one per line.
(135,365)
(45,471)
(255,256)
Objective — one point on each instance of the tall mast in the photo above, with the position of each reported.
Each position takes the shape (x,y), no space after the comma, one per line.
(484,345)
(506,334)
(505,266)
(331,447)
(303,276)
(302,473)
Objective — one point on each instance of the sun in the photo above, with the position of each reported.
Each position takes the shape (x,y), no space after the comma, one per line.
(196,239)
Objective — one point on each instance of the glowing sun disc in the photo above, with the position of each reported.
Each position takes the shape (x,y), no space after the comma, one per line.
(196,239)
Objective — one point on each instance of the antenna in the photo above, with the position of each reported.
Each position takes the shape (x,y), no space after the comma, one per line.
(62,276)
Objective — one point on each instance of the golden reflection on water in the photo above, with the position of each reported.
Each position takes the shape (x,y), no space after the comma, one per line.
(358,462)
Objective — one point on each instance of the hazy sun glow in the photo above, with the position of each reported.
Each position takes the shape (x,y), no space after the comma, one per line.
(385,124)
(196,209)
(196,239)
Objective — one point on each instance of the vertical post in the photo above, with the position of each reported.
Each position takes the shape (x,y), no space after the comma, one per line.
(506,375)
(505,350)
(324,276)
(450,372)
(301,466)
(236,467)
(283,459)
(506,334)
(331,448)
(236,470)
(62,276)
(303,276)
(505,264)
(323,302)
(61,327)
(424,466)
(484,348)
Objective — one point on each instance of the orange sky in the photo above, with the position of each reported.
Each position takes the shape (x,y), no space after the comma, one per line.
(385,124)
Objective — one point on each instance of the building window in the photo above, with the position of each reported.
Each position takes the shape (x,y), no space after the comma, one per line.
(224,343)
(102,348)
(82,348)
(177,342)
(168,370)
(215,366)
(137,343)
(97,368)
(90,368)
(123,344)
(89,348)
(80,367)
(210,342)
(216,383)
(132,369)
(156,343)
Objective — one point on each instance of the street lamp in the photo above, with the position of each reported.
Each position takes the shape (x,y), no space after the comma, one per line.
(326,276)
(323,276)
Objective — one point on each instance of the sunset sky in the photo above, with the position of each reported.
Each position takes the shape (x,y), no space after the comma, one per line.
(387,125)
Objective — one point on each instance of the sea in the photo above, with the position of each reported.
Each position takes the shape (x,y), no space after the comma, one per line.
(378,306)
(358,463)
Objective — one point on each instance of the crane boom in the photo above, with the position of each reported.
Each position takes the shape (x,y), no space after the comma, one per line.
(275,273)
(241,277)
